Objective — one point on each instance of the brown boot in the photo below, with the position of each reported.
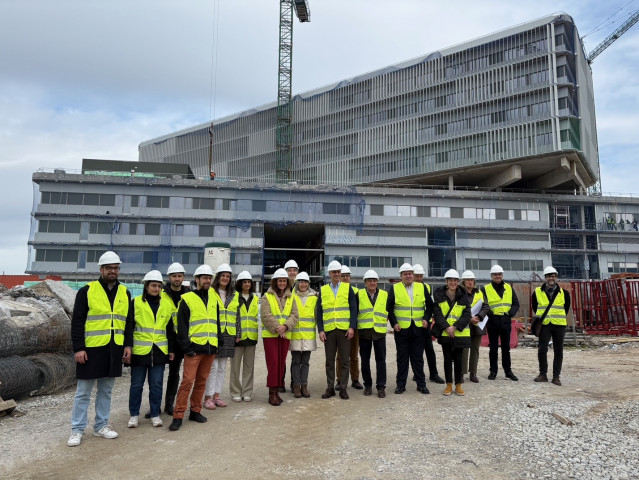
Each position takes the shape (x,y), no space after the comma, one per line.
(277,396)
(449,389)
(297,391)
(459,390)
(305,392)
(272,399)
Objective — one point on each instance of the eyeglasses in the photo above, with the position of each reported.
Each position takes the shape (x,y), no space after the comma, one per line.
(111,269)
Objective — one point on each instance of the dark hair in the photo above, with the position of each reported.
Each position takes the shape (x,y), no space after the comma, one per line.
(146,284)
(216,283)
(274,285)
(238,285)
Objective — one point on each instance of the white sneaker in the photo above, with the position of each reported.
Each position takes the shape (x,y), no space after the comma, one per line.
(133,422)
(156,421)
(237,399)
(75,439)
(247,399)
(106,432)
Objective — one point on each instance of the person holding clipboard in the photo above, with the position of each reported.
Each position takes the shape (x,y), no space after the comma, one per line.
(479,309)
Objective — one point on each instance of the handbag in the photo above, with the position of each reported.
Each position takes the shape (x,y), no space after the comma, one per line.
(537,323)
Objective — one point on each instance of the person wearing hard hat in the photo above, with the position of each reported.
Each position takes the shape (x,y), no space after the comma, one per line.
(452,316)
(469,362)
(551,303)
(171,295)
(303,340)
(279,316)
(408,314)
(504,305)
(149,341)
(345,276)
(97,333)
(372,318)
(292,270)
(336,315)
(431,358)
(244,356)
(197,333)
(230,333)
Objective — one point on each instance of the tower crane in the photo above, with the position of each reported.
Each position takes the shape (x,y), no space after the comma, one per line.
(634,18)
(284,134)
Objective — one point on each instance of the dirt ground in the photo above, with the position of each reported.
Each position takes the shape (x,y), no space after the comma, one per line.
(402,436)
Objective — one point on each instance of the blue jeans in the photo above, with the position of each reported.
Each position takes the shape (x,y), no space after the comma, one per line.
(156,378)
(83,398)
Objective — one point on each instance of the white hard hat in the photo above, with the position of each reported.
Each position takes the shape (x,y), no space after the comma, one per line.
(468,275)
(345,269)
(496,269)
(334,265)
(280,273)
(371,274)
(549,270)
(406,267)
(224,268)
(244,275)
(452,273)
(203,270)
(153,276)
(418,269)
(291,264)
(175,268)
(302,276)
(109,258)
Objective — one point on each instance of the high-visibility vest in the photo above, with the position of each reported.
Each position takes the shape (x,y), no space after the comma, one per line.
(248,317)
(305,328)
(336,312)
(453,317)
(407,311)
(556,314)
(102,319)
(355,290)
(150,328)
(203,319)
(280,315)
(167,300)
(478,296)
(372,316)
(499,305)
(228,314)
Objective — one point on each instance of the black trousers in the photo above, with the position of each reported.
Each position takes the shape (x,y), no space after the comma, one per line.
(337,341)
(365,347)
(452,356)
(431,359)
(557,333)
(409,343)
(498,328)
(173,380)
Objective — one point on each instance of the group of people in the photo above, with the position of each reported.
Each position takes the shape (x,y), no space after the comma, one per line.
(215,320)
(612,224)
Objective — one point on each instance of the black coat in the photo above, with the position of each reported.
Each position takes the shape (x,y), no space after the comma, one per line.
(103,361)
(461,298)
(183,316)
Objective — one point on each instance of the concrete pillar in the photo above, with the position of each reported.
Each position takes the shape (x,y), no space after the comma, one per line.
(451,183)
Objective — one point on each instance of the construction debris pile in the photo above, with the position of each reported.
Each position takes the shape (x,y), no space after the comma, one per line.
(35,339)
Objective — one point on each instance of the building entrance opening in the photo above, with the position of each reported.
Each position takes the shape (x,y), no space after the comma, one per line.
(302,242)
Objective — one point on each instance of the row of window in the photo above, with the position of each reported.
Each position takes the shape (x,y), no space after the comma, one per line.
(508,265)
(68,198)
(370,262)
(623,267)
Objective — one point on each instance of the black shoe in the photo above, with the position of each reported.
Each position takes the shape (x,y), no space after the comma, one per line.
(147,415)
(343,394)
(512,376)
(330,392)
(400,390)
(368,391)
(356,385)
(168,409)
(542,377)
(175,424)
(437,379)
(197,417)
(556,381)
(338,387)
(492,376)
(381,392)
(423,389)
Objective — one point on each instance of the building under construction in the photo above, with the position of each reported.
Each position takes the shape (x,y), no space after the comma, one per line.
(477,154)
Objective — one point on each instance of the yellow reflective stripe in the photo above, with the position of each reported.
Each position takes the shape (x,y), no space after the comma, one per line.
(108,316)
(203,321)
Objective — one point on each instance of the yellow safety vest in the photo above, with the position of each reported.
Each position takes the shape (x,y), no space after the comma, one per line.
(405,311)
(228,315)
(166,299)
(279,315)
(150,328)
(336,312)
(556,314)
(453,317)
(102,320)
(370,316)
(499,305)
(248,317)
(305,328)
(203,319)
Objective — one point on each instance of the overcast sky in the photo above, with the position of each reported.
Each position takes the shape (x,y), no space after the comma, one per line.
(93,79)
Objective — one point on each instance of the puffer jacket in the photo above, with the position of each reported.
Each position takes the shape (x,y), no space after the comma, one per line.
(461,298)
